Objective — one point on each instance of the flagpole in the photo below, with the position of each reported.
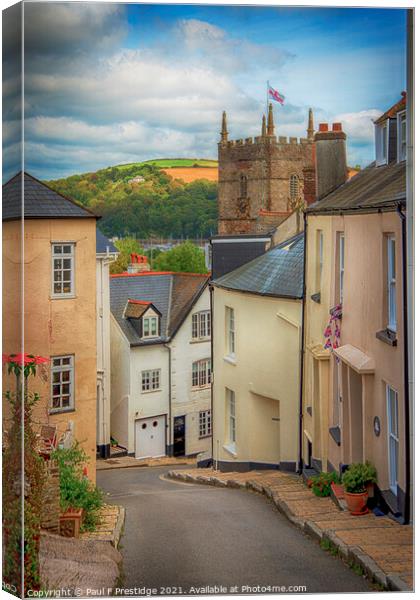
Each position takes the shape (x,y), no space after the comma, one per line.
(268,86)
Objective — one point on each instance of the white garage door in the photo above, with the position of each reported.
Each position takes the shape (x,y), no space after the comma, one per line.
(150,437)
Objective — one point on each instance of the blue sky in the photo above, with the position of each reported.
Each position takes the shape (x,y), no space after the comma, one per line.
(114,83)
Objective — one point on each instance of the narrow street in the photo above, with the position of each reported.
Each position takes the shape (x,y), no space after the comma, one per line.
(180,535)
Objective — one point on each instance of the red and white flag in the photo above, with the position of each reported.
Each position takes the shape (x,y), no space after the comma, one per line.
(275,95)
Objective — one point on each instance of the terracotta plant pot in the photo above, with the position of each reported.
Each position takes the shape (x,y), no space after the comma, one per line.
(356,503)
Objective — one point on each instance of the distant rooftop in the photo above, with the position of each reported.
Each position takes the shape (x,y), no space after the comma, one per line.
(278,272)
(40,201)
(172,294)
(103,244)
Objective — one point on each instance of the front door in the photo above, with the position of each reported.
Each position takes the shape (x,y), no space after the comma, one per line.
(179,436)
(150,437)
(393,439)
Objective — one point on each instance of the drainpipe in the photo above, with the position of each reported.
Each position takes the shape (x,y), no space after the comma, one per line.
(171,449)
(406,359)
(302,351)
(211,289)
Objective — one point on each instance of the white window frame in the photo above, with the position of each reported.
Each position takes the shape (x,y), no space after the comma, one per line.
(149,320)
(393,438)
(150,380)
(60,365)
(230,332)
(382,143)
(391,283)
(201,325)
(231,400)
(204,424)
(201,373)
(59,255)
(341,251)
(402,136)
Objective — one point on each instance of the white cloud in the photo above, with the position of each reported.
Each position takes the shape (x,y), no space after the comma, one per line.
(359,125)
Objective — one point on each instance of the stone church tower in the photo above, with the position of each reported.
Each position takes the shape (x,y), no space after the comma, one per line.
(261,178)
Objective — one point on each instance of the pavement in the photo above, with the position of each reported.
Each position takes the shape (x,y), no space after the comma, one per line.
(379,546)
(109,528)
(180,536)
(72,567)
(125,462)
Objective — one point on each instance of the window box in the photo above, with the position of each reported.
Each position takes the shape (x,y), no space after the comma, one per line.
(387,336)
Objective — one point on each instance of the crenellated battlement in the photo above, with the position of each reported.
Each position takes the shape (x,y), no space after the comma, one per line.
(265,140)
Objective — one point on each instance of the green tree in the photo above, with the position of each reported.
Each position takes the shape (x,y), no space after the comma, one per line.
(126,247)
(185,258)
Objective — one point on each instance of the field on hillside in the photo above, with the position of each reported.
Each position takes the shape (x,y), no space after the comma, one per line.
(168,163)
(189,174)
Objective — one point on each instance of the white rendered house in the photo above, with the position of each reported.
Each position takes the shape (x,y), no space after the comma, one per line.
(161,363)
(106,253)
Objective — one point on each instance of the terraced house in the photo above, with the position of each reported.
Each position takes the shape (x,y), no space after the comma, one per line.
(160,362)
(257,310)
(59,304)
(355,389)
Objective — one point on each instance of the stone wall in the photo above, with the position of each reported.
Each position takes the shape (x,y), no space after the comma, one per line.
(254,175)
(50,514)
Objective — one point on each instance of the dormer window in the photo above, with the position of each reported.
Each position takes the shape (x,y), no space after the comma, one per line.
(381,143)
(150,326)
(402,136)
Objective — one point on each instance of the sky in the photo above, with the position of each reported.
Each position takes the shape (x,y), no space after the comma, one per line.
(107,84)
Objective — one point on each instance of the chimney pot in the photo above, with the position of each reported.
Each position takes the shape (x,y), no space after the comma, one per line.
(323,127)
(336,127)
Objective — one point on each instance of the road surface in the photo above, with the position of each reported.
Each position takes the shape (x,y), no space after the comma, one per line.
(192,539)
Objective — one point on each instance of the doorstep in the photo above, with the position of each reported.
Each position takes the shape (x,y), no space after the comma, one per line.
(379,545)
(126,462)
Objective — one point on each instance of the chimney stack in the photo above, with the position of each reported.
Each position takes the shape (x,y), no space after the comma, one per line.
(139,263)
(330,158)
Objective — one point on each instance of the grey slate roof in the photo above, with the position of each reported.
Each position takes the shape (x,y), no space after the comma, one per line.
(173,294)
(41,202)
(278,272)
(102,243)
(371,189)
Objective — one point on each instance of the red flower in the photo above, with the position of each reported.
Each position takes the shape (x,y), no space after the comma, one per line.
(25,359)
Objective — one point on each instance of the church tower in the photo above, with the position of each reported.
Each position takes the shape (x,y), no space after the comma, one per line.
(261,178)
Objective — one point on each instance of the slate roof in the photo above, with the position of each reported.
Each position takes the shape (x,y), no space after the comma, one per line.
(371,189)
(278,272)
(172,294)
(102,242)
(396,108)
(41,202)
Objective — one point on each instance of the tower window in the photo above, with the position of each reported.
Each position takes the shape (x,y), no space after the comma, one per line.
(244,186)
(294,186)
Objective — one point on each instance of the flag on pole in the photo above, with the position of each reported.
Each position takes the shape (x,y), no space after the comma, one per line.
(275,95)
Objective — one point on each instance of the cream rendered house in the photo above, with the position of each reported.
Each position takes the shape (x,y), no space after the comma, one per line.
(257,311)
(355,390)
(59,304)
(161,363)
(106,253)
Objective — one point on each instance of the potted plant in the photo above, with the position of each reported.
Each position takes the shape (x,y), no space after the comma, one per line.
(370,478)
(355,480)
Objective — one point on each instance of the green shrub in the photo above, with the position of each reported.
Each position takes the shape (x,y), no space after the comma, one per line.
(357,476)
(321,484)
(76,491)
